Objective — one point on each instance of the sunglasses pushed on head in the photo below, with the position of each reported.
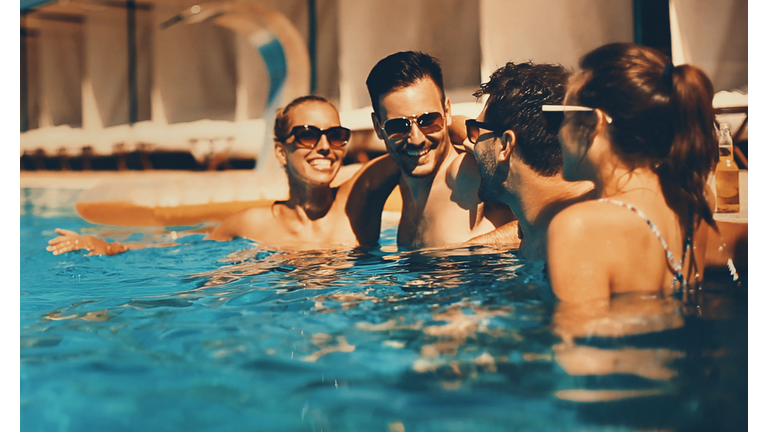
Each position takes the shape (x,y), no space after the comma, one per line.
(555,114)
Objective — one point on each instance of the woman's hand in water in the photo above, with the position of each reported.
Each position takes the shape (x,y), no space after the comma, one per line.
(71,241)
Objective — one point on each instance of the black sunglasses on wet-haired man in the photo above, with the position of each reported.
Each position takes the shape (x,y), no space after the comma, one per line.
(474,126)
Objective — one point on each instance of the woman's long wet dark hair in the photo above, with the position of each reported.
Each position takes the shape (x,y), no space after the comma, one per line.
(662,117)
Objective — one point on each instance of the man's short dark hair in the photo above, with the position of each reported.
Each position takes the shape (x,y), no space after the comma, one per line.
(516,93)
(400,70)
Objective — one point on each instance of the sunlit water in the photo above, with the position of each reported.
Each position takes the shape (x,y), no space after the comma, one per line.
(231,336)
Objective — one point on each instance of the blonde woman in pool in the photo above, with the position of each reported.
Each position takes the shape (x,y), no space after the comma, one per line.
(643,131)
(310,143)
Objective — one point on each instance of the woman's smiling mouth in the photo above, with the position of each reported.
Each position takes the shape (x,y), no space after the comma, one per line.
(321,164)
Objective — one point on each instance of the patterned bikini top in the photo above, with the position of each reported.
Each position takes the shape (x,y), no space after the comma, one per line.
(676,267)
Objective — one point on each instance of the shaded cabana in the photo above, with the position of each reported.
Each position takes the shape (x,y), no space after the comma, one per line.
(103,77)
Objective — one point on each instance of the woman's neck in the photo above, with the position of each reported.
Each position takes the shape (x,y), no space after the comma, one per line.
(309,201)
(616,179)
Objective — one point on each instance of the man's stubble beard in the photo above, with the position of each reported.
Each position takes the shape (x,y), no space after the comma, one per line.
(491,184)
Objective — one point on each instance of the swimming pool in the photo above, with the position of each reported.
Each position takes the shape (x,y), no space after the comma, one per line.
(233,336)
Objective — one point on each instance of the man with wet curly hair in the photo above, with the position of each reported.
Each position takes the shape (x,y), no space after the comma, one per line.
(518,155)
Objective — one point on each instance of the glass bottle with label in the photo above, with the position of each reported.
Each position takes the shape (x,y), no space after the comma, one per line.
(726,175)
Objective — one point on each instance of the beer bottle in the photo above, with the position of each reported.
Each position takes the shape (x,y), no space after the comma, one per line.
(726,175)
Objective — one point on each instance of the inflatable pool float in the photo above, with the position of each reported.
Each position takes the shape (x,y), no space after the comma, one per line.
(172,199)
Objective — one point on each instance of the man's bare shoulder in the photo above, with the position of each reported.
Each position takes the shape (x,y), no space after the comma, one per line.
(462,175)
(463,167)
(370,174)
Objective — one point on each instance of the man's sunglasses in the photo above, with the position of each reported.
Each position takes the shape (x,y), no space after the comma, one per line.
(474,126)
(555,114)
(308,136)
(400,127)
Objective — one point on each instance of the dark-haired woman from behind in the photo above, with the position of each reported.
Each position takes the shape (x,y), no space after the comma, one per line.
(644,132)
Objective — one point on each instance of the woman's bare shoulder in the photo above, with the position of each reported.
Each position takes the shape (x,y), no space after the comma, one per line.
(590,225)
(579,216)
(576,254)
(244,223)
(258,217)
(591,214)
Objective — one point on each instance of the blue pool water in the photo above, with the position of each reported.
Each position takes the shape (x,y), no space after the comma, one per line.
(231,336)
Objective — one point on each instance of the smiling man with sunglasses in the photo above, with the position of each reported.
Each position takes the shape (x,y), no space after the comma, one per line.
(412,115)
(516,147)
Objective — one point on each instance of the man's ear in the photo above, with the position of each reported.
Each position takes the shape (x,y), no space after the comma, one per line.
(280,153)
(447,108)
(377,126)
(508,141)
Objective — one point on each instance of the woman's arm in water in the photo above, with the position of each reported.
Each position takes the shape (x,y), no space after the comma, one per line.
(227,229)
(68,241)
(248,223)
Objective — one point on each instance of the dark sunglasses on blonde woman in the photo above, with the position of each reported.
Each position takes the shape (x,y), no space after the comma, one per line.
(555,114)
(308,136)
(400,127)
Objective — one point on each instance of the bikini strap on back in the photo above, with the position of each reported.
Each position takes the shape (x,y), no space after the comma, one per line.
(677,268)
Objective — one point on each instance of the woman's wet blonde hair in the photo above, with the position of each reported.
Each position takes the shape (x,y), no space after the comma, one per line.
(282,123)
